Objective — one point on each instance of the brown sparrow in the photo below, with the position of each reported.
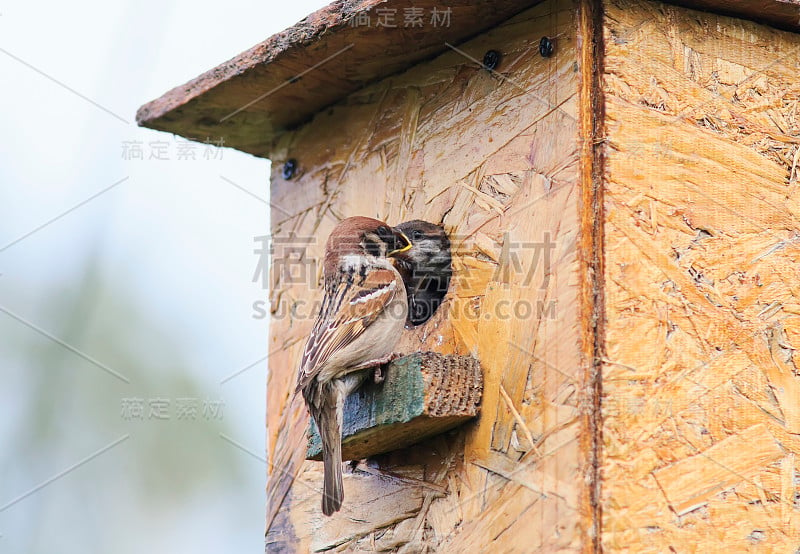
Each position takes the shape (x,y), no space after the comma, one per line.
(426,268)
(360,320)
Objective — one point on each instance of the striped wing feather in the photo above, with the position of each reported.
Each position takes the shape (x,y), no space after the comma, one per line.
(350,306)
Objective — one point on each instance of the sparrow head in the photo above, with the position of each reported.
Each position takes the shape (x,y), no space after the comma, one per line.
(425,268)
(431,247)
(365,236)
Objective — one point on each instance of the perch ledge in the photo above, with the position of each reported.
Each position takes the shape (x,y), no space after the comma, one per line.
(424,394)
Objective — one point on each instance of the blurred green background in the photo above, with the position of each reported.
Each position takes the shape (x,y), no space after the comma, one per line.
(131,355)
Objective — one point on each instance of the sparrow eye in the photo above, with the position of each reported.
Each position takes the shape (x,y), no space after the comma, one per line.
(384,232)
(416,234)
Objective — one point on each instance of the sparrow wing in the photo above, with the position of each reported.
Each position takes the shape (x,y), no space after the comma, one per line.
(350,306)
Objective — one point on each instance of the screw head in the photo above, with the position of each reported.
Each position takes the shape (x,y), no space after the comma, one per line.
(546,47)
(289,169)
(491,59)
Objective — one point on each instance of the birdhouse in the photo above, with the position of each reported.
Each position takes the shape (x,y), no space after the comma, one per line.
(620,183)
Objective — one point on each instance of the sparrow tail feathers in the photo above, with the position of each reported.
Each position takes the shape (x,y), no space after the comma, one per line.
(329,427)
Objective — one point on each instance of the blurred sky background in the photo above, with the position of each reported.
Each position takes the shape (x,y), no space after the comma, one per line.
(127,323)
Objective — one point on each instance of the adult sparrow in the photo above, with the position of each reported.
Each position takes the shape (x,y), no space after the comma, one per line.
(425,267)
(360,320)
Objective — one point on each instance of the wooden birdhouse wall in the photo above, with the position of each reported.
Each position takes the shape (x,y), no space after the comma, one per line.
(495,159)
(701,394)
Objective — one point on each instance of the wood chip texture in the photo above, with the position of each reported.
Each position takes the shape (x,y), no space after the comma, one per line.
(697,335)
(494,158)
(701,390)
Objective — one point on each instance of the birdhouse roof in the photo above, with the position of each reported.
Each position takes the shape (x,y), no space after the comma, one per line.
(248,101)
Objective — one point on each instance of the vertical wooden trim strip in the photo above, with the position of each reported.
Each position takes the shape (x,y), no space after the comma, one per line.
(591,241)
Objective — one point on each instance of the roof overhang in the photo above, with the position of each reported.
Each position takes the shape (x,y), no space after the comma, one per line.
(248,101)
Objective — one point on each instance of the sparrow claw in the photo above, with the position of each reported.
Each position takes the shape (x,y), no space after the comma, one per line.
(377,362)
(378,375)
(376,366)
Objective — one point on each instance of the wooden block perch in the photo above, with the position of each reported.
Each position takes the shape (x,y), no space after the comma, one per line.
(424,394)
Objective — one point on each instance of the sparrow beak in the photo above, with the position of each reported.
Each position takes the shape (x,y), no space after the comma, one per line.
(402,244)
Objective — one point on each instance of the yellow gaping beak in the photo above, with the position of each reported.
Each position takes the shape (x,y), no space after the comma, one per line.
(406,248)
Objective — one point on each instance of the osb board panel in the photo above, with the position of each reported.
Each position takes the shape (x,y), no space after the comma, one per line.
(282,82)
(783,14)
(701,399)
(494,157)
